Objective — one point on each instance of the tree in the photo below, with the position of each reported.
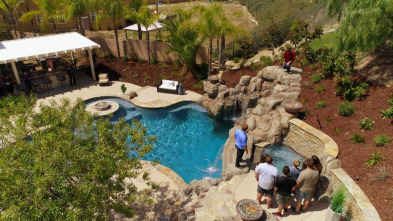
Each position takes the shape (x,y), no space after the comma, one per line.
(64,164)
(7,9)
(113,10)
(146,19)
(365,24)
(184,38)
(75,9)
(209,26)
(28,16)
(134,13)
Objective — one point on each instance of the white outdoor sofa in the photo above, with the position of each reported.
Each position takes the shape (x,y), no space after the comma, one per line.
(168,86)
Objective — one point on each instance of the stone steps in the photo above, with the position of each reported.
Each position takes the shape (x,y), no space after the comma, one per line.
(219,202)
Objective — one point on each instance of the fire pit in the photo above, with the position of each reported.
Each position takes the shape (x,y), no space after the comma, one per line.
(102,106)
(292,107)
(249,209)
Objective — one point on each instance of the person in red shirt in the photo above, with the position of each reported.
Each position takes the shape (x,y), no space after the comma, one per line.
(289,57)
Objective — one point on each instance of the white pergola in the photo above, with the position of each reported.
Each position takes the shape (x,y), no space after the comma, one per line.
(41,47)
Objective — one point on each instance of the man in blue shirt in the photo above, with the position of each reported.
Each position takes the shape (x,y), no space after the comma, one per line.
(241,143)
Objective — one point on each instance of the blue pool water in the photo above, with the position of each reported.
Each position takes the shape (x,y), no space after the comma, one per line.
(282,156)
(189,141)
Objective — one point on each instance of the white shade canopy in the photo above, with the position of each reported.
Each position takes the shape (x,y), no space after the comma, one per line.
(44,46)
(152,27)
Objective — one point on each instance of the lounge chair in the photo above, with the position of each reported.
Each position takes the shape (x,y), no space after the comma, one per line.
(168,86)
(103,79)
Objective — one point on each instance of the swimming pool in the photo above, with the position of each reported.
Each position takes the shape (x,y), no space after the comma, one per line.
(282,156)
(189,141)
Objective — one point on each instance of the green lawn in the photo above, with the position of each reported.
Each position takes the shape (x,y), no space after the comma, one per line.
(326,41)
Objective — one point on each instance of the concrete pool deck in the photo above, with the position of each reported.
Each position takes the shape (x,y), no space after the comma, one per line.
(148,97)
(247,189)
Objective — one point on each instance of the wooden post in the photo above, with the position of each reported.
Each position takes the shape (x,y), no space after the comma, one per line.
(126,33)
(93,73)
(15,72)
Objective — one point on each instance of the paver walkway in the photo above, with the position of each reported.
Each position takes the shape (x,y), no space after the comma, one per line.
(247,189)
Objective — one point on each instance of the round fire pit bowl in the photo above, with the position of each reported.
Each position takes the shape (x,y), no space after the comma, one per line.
(292,107)
(102,106)
(249,209)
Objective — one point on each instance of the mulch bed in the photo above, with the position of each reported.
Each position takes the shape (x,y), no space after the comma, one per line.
(147,74)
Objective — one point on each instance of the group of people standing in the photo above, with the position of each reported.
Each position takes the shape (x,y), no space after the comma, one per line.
(6,85)
(300,183)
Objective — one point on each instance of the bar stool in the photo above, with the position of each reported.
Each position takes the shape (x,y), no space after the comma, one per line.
(47,82)
(36,84)
(61,80)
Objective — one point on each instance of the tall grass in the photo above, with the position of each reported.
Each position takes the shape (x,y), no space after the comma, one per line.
(338,200)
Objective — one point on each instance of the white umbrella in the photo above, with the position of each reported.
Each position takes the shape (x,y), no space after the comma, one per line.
(152,27)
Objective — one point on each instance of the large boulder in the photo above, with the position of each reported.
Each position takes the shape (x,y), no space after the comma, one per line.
(251,123)
(244,81)
(269,73)
(211,89)
(287,79)
(270,102)
(266,85)
(280,88)
(294,89)
(223,94)
(258,110)
(222,88)
(288,95)
(202,186)
(264,123)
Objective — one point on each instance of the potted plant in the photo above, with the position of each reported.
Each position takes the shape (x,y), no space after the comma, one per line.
(123,88)
(180,89)
(336,207)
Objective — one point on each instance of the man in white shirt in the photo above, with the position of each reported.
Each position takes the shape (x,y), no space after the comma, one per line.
(266,175)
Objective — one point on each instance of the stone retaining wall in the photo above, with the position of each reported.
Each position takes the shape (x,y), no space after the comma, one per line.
(307,140)
(358,204)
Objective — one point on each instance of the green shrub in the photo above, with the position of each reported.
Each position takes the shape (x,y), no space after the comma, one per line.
(366,124)
(390,101)
(141,60)
(320,89)
(382,140)
(382,174)
(346,109)
(388,113)
(253,66)
(313,67)
(236,60)
(124,58)
(307,112)
(321,104)
(349,90)
(374,159)
(357,138)
(337,130)
(304,101)
(304,62)
(338,199)
(111,56)
(316,78)
(153,60)
(328,119)
(266,60)
(123,88)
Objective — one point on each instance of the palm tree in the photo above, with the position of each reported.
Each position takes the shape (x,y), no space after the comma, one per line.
(114,10)
(75,9)
(209,26)
(147,19)
(134,13)
(7,9)
(184,38)
(28,16)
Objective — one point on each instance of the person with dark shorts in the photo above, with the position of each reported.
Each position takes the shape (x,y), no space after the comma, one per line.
(282,190)
(28,83)
(266,174)
(71,74)
(305,185)
(241,143)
